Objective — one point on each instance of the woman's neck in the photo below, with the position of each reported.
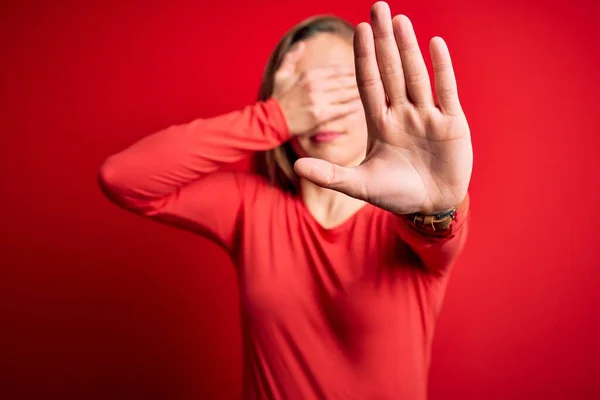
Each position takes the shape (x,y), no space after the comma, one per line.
(328,207)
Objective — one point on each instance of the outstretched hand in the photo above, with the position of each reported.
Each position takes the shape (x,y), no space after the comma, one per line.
(419,156)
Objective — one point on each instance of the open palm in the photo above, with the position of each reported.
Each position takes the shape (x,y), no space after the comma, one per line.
(419,156)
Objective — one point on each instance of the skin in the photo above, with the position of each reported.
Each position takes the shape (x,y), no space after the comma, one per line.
(316,88)
(419,154)
(330,50)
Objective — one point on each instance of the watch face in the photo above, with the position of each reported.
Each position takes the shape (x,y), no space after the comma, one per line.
(446,214)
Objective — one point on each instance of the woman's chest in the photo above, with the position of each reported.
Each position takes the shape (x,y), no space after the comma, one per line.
(355,282)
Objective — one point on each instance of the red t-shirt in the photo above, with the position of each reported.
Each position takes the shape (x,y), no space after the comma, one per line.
(341,313)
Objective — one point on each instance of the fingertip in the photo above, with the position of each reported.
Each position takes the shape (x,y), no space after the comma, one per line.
(363,27)
(379,7)
(302,168)
(437,41)
(438,48)
(362,37)
(291,57)
(286,57)
(298,168)
(295,51)
(401,21)
(314,169)
(300,46)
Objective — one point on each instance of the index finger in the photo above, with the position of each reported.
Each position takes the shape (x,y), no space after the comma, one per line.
(367,70)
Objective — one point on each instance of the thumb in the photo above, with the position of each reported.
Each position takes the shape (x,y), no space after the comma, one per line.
(288,65)
(348,180)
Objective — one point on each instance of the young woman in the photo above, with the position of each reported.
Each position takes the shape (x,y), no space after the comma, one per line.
(344,236)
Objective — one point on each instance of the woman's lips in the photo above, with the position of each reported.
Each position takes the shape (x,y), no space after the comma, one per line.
(325,136)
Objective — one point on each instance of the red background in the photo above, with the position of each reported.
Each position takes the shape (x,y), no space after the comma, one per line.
(97,303)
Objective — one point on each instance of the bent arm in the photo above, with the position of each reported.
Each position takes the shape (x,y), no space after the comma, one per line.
(159,164)
(172,175)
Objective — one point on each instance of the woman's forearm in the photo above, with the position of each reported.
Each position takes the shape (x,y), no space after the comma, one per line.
(159,164)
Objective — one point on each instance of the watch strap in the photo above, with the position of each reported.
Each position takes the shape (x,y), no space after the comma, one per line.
(433,222)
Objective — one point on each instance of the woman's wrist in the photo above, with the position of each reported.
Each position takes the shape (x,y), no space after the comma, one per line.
(438,221)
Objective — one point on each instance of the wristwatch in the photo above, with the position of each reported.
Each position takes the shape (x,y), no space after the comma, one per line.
(433,222)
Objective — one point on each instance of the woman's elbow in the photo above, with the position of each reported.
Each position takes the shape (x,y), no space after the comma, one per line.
(108,176)
(119,185)
(112,183)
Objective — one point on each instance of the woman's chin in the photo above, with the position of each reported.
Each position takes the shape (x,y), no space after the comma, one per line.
(335,157)
(332,152)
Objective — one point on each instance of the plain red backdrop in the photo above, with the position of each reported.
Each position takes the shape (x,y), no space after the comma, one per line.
(97,303)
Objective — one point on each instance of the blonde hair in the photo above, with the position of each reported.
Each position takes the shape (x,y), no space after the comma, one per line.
(277,165)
